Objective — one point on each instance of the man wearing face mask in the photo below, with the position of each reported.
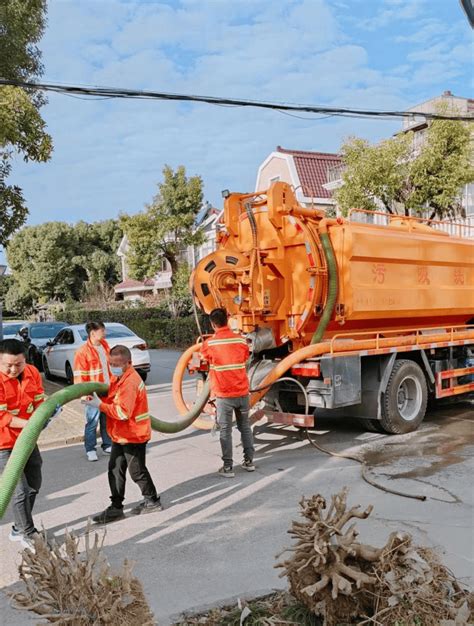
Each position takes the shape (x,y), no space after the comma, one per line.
(91,364)
(128,422)
(21,392)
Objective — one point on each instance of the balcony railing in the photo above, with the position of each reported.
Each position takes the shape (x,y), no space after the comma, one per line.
(462,227)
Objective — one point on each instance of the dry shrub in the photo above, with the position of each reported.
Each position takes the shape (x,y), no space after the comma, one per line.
(346,582)
(274,609)
(65,587)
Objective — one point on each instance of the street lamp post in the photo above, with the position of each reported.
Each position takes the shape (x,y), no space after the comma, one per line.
(2,272)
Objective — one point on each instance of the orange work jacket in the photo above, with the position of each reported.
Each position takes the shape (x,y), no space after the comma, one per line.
(126,408)
(19,397)
(87,364)
(227,353)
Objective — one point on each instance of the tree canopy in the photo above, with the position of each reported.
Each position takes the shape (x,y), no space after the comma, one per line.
(57,261)
(407,180)
(22,129)
(166,227)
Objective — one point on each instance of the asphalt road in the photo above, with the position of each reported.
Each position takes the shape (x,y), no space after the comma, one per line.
(217,538)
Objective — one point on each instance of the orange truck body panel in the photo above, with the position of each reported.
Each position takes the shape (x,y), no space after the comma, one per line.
(270,271)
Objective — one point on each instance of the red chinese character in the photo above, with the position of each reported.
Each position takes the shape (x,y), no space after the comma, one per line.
(378,270)
(423,278)
(458,276)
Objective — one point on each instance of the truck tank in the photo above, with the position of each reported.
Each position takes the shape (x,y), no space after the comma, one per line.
(271,271)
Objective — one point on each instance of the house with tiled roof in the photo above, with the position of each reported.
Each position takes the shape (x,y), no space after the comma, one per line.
(418,125)
(131,289)
(306,171)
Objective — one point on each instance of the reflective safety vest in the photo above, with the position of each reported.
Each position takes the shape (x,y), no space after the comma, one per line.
(126,408)
(19,397)
(227,353)
(87,363)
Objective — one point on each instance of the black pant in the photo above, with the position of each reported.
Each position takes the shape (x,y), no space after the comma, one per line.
(131,455)
(25,492)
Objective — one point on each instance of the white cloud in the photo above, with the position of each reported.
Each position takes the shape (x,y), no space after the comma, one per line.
(109,154)
(393,11)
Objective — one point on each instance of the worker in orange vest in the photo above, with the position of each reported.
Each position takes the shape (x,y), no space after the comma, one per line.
(128,422)
(91,364)
(21,392)
(227,353)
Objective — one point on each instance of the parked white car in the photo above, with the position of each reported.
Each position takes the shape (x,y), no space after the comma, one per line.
(58,356)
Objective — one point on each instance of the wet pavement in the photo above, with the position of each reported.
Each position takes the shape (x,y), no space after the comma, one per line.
(446,439)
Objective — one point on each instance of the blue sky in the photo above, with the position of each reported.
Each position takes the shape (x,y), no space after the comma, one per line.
(108,154)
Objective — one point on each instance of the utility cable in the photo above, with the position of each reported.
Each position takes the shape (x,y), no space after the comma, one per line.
(112,92)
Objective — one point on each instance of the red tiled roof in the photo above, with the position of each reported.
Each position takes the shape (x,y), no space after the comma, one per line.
(312,170)
(130,283)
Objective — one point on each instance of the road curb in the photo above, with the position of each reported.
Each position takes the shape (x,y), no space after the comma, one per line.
(180,618)
(59,443)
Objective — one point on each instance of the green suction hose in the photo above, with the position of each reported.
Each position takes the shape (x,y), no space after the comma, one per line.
(187,419)
(29,436)
(30,433)
(332,288)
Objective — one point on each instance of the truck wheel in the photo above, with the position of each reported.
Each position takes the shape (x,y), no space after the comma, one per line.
(373,426)
(405,399)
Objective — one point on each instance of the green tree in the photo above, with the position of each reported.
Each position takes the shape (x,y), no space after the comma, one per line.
(405,181)
(57,261)
(166,227)
(97,245)
(179,299)
(5,284)
(22,130)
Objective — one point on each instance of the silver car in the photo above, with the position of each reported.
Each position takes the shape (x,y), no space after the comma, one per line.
(58,356)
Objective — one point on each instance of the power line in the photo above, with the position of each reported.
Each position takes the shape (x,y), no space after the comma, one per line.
(111,92)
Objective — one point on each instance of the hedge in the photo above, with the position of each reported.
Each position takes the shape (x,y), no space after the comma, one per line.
(122,315)
(158,332)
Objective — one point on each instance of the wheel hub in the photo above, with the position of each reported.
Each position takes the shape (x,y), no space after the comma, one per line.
(409,398)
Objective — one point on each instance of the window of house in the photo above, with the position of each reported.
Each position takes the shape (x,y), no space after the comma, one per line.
(163,265)
(274,179)
(469,199)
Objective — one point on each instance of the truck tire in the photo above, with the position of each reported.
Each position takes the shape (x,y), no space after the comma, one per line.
(405,399)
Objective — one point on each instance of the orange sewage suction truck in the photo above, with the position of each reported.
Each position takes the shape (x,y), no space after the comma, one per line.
(344,317)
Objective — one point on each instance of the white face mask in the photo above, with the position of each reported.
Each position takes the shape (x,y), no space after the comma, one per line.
(116,371)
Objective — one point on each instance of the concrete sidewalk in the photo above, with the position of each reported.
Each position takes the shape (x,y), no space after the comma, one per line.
(217,538)
(66,429)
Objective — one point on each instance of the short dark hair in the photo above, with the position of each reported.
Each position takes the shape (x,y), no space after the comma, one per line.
(12,346)
(218,317)
(123,351)
(90,326)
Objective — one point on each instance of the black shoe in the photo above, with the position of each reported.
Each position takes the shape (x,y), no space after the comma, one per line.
(147,506)
(111,514)
(227,472)
(248,466)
